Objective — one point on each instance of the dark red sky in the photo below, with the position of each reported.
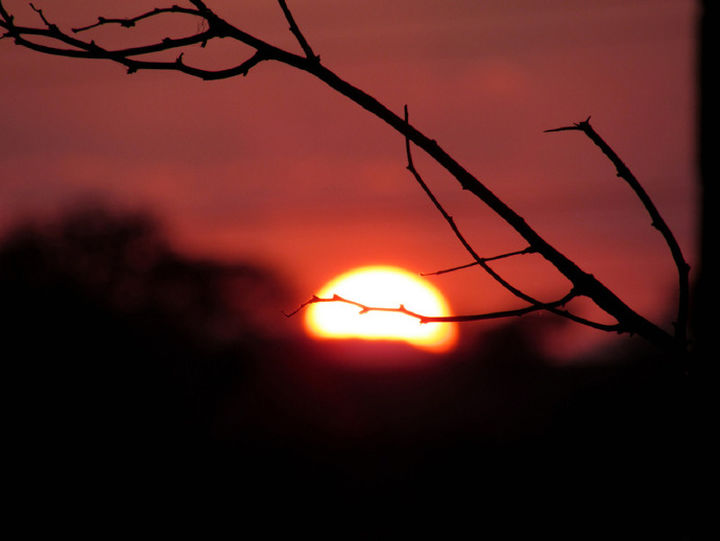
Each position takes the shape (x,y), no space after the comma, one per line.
(276,167)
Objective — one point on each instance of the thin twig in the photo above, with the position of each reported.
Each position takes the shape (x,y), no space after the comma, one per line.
(401,309)
(207,75)
(129,22)
(295,29)
(451,222)
(623,171)
(84,49)
(528,250)
(42,15)
(480,261)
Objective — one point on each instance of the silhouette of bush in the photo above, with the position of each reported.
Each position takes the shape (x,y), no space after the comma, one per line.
(130,365)
(116,345)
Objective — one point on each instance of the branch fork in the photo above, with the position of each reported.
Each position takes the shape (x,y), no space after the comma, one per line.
(583,283)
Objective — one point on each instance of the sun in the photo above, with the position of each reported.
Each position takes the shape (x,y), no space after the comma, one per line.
(387,287)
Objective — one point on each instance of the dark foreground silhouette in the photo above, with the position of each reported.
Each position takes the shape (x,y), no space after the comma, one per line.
(132,369)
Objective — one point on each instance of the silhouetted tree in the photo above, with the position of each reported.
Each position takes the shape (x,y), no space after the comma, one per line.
(135,373)
(117,348)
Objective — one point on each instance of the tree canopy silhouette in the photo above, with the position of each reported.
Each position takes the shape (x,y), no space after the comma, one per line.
(116,344)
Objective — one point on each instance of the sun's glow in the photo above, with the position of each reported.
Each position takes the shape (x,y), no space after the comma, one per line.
(387,287)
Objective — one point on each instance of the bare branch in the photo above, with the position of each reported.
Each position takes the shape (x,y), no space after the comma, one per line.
(89,49)
(401,309)
(574,127)
(297,33)
(528,250)
(179,65)
(451,222)
(84,49)
(200,5)
(583,283)
(129,22)
(623,171)
(6,20)
(482,262)
(42,16)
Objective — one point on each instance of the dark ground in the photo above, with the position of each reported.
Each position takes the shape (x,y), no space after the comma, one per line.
(133,371)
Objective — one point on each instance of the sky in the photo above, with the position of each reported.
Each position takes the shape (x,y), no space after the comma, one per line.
(276,168)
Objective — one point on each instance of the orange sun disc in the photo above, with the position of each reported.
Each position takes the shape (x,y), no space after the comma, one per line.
(386,287)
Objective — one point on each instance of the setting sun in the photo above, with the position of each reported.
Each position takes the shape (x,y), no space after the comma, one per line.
(385,287)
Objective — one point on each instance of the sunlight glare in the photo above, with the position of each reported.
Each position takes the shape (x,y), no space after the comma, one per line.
(388,287)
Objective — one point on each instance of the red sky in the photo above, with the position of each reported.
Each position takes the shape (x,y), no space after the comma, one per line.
(277,168)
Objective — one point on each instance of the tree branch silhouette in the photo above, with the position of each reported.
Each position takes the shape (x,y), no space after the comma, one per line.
(297,33)
(129,22)
(527,250)
(583,283)
(623,171)
(401,309)
(482,262)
